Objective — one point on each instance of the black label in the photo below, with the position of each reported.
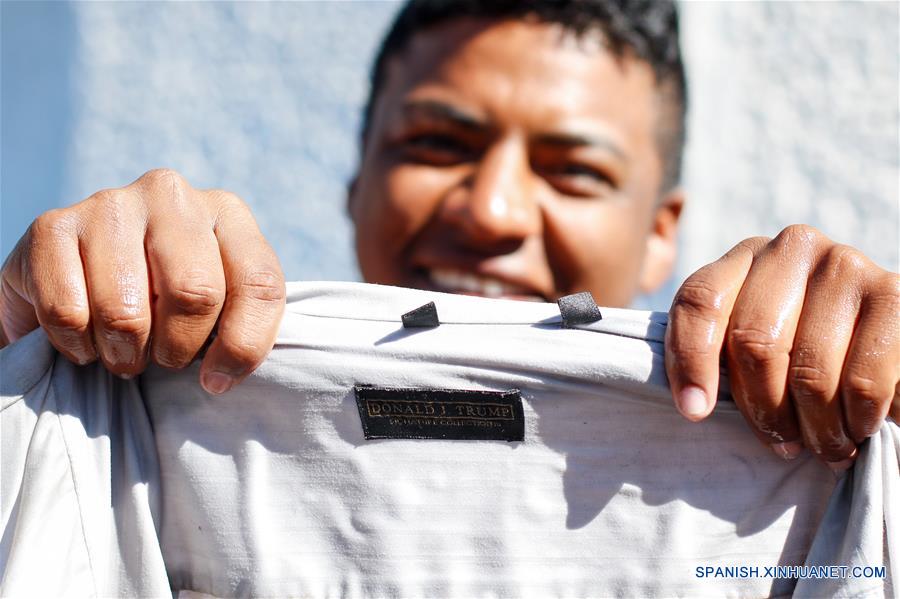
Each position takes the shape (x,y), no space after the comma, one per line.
(391,413)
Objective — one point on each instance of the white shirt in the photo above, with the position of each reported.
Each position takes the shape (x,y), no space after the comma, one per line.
(113,487)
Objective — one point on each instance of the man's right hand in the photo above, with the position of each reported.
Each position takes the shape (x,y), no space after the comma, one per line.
(143,273)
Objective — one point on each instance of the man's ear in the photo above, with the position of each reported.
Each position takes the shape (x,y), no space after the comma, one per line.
(662,242)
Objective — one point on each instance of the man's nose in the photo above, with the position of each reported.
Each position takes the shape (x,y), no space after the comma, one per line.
(496,202)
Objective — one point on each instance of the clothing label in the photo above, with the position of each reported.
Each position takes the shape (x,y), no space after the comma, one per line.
(393,413)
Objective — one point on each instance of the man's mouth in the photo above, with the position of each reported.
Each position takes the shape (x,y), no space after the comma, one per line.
(451,280)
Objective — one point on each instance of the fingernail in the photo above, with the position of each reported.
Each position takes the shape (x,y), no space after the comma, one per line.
(839,467)
(692,401)
(126,376)
(789,450)
(217,382)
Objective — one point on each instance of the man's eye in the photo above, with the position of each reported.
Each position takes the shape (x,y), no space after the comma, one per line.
(441,150)
(581,170)
(578,179)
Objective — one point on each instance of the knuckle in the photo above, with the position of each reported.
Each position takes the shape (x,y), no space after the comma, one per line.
(172,357)
(808,382)
(887,291)
(107,197)
(49,225)
(226,199)
(241,353)
(753,346)
(694,314)
(265,286)
(798,235)
(123,323)
(697,296)
(751,245)
(690,350)
(863,389)
(67,317)
(841,260)
(113,202)
(226,205)
(195,296)
(163,178)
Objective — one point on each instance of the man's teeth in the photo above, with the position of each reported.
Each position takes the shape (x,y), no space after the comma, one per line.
(455,280)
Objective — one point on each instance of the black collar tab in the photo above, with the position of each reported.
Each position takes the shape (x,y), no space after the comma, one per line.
(578,308)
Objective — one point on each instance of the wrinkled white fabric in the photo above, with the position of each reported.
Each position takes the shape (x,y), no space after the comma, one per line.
(128,488)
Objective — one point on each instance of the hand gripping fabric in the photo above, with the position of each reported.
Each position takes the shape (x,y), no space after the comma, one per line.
(152,487)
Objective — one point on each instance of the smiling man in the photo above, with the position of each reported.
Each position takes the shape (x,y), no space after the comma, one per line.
(495,169)
(512,149)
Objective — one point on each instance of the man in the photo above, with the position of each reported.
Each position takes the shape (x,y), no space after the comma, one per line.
(517,149)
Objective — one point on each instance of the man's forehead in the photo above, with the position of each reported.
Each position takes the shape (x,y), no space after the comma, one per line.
(537,74)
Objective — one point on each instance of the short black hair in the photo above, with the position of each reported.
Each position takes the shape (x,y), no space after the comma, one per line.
(646,29)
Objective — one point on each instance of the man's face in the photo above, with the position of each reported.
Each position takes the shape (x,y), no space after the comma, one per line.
(510,159)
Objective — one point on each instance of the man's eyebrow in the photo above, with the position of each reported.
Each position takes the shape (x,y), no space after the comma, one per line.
(443,112)
(572,140)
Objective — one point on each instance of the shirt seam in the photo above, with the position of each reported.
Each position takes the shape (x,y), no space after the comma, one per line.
(556,321)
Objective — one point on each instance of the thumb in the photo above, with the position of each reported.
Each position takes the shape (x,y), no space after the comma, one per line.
(698,320)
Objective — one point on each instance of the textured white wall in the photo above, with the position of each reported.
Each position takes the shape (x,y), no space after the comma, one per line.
(794,115)
(261,99)
(794,119)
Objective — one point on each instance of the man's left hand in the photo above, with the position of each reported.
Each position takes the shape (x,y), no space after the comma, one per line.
(810,334)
